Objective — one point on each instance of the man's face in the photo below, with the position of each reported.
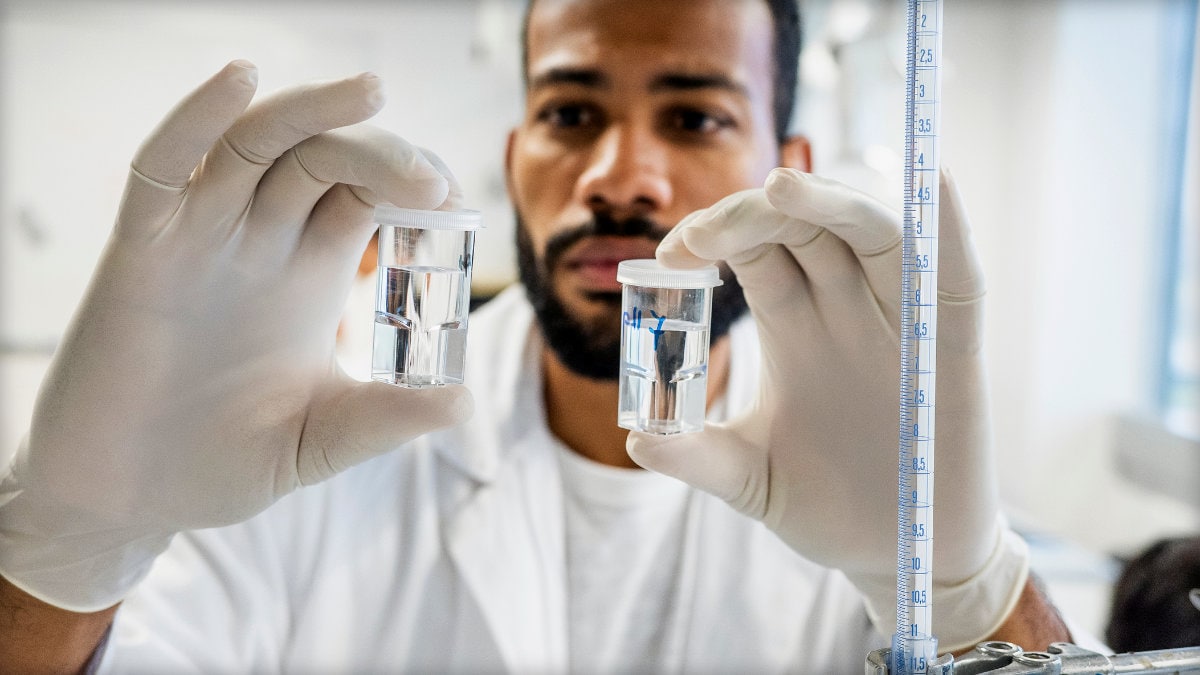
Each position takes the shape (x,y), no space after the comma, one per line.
(638,112)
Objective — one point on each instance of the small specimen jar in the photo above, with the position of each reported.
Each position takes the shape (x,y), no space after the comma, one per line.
(422,295)
(665,318)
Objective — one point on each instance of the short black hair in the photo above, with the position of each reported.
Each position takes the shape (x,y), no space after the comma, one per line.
(1151,608)
(785,14)
(788,33)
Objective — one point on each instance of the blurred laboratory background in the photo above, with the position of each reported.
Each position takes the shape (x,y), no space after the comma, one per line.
(1072,127)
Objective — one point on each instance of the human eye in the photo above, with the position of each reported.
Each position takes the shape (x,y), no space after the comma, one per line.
(697,121)
(568,116)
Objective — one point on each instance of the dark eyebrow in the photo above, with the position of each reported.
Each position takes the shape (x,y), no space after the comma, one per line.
(586,77)
(685,82)
(579,76)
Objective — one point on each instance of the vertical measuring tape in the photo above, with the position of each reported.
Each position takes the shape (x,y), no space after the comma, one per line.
(914,647)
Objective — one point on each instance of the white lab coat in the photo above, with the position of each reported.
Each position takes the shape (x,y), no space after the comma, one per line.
(447,555)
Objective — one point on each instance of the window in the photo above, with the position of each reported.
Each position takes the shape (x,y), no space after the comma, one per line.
(1179,397)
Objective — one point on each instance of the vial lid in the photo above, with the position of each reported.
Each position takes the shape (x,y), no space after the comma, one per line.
(386,214)
(649,272)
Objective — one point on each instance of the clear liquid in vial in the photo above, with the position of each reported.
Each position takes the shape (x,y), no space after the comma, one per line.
(664,377)
(420,331)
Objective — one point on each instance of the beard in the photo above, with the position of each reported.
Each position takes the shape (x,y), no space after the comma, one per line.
(589,348)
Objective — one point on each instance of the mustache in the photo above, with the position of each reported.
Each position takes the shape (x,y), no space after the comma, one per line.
(601,225)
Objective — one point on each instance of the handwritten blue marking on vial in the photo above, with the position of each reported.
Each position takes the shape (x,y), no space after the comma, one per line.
(657,330)
(633,318)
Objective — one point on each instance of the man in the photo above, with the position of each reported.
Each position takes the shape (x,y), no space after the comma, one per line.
(194,390)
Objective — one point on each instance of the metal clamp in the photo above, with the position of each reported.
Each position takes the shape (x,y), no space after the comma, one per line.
(1062,658)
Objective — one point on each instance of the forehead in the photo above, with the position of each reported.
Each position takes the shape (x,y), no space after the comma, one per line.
(628,38)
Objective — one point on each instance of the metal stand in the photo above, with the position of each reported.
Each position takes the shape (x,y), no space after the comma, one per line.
(1062,658)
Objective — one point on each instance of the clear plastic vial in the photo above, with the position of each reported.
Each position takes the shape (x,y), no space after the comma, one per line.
(423,295)
(665,318)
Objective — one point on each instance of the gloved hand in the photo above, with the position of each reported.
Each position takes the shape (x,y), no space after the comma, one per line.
(815,458)
(196,384)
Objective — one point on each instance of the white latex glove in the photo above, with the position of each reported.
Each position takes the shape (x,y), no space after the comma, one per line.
(815,458)
(196,384)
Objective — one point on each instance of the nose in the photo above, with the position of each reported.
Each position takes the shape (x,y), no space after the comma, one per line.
(627,174)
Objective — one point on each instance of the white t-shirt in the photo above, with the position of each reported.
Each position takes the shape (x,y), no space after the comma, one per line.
(452,554)
(625,536)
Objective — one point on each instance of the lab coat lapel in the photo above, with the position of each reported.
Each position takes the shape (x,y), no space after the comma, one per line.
(506,542)
(504,522)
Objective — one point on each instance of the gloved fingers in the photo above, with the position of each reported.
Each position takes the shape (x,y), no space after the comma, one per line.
(165,161)
(777,255)
(339,228)
(390,168)
(284,202)
(673,252)
(960,273)
(283,119)
(375,165)
(331,234)
(792,209)
(230,175)
(775,286)
(718,461)
(735,229)
(865,224)
(455,199)
(355,421)
(872,231)
(846,287)
(174,149)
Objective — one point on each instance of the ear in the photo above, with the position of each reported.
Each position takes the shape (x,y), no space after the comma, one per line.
(508,158)
(796,153)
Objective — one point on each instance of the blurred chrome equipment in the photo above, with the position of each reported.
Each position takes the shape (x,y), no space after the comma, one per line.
(1062,658)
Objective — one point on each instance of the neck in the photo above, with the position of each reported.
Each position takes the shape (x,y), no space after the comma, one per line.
(582,412)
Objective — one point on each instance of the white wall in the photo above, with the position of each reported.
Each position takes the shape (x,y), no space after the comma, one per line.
(1074,173)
